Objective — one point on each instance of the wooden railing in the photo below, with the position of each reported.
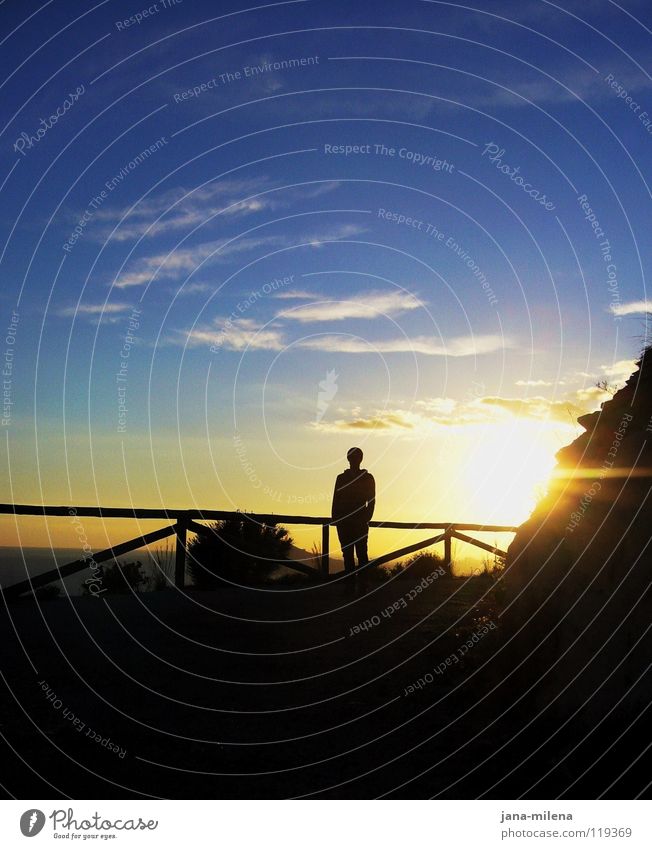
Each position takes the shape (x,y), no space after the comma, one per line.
(188,521)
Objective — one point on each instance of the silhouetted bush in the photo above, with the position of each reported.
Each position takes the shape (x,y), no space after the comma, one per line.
(493,566)
(119,577)
(417,566)
(239,550)
(161,575)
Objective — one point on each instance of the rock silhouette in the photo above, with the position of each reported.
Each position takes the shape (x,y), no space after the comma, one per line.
(578,604)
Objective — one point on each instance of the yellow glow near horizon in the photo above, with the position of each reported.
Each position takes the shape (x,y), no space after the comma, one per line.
(490,472)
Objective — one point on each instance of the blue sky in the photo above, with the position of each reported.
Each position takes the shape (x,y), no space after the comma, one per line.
(283,297)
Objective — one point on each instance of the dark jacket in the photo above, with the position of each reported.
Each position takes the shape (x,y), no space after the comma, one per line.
(354,497)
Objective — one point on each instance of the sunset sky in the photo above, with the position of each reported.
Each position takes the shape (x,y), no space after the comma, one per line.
(253,239)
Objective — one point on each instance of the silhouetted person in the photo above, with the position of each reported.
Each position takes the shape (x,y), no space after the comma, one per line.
(354,499)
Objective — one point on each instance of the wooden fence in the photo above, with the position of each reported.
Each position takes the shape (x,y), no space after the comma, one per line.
(189,521)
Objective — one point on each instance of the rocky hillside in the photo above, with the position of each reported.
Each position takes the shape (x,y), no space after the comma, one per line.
(577,583)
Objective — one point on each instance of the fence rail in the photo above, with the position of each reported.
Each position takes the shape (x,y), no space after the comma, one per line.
(188,521)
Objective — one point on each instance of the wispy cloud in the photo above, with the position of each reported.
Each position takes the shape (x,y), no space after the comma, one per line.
(590,397)
(234,335)
(94,309)
(619,371)
(269,82)
(434,413)
(461,346)
(380,421)
(567,84)
(631,308)
(366,305)
(536,408)
(294,295)
(583,84)
(616,373)
(437,407)
(186,260)
(179,209)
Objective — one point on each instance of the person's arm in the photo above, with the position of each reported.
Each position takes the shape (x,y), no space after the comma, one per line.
(335,506)
(371,496)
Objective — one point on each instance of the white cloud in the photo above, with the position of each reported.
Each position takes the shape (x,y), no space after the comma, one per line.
(571,84)
(180,210)
(534,383)
(431,413)
(445,412)
(365,305)
(461,346)
(186,260)
(94,309)
(294,294)
(590,397)
(383,420)
(632,308)
(619,371)
(437,406)
(234,335)
(168,265)
(564,410)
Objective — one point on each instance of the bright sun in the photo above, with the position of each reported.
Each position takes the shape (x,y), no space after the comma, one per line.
(507,467)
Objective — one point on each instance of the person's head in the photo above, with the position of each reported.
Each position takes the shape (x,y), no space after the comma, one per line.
(354,456)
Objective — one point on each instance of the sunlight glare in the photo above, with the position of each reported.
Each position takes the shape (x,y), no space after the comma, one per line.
(507,468)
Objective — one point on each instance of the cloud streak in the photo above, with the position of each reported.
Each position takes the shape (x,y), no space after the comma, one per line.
(537,408)
(239,334)
(434,413)
(460,346)
(94,309)
(179,209)
(366,305)
(631,308)
(234,335)
(186,260)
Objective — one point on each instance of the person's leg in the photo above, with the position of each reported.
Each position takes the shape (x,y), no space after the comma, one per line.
(361,546)
(363,557)
(347,544)
(348,556)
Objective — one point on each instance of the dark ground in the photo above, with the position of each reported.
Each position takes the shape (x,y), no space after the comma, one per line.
(245,694)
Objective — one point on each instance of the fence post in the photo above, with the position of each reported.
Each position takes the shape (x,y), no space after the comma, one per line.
(181,529)
(448,550)
(325,549)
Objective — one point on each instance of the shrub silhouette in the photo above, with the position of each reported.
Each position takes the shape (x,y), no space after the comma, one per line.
(239,550)
(417,566)
(120,577)
(161,576)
